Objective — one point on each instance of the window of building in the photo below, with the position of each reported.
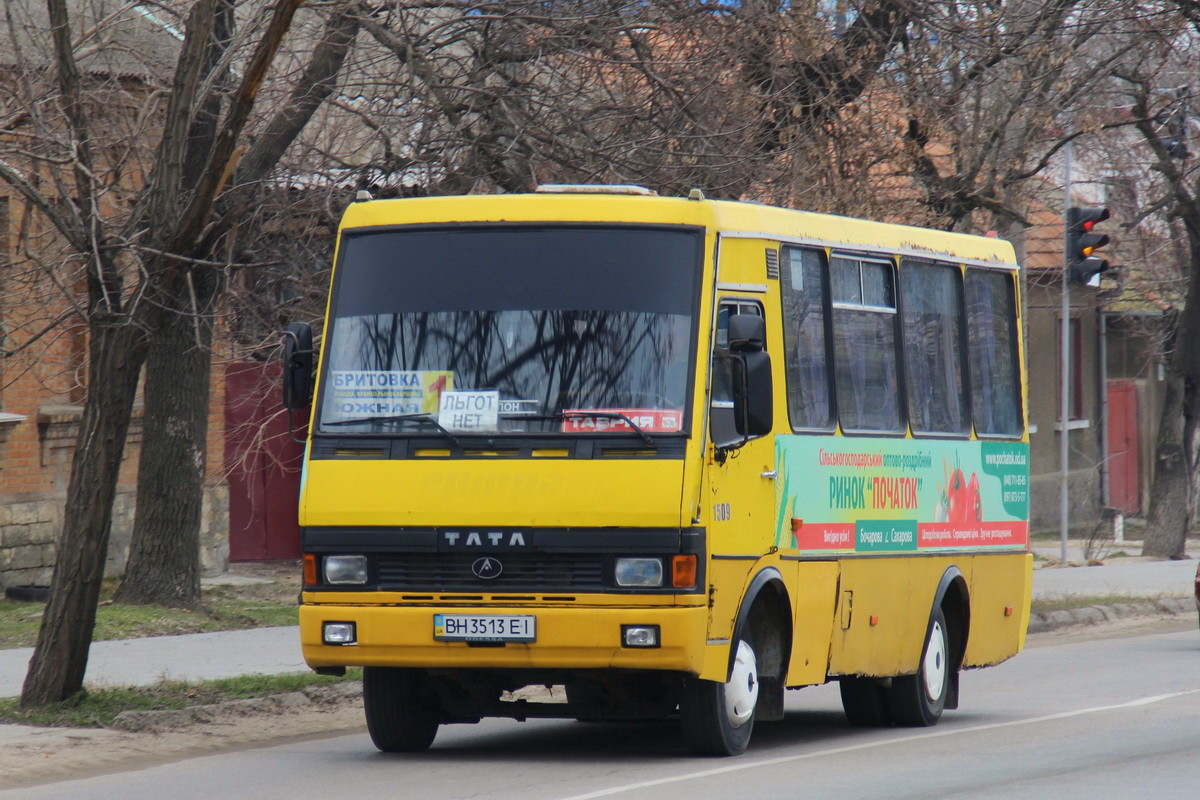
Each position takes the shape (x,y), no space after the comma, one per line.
(864,345)
(1076,363)
(808,390)
(931,319)
(992,339)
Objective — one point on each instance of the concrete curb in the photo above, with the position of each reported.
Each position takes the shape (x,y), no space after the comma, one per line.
(1045,621)
(306,700)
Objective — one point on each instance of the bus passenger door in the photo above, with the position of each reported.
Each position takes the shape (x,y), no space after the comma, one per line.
(740,486)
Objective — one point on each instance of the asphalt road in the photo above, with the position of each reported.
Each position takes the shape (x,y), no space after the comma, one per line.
(1099,718)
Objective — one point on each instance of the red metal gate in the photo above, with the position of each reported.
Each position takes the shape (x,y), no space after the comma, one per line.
(1124,454)
(263,464)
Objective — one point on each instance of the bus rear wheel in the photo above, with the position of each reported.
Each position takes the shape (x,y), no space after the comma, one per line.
(918,700)
(402,712)
(865,701)
(718,718)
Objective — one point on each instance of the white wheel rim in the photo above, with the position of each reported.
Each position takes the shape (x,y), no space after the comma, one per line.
(741,692)
(935,663)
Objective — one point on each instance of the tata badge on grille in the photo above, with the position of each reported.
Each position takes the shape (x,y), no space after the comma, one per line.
(487,568)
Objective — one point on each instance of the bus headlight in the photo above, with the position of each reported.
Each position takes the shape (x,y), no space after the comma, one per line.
(639,635)
(339,633)
(345,569)
(639,572)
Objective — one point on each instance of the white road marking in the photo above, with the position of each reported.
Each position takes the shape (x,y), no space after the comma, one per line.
(766,762)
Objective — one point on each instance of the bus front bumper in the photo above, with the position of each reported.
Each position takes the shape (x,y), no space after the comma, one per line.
(567,638)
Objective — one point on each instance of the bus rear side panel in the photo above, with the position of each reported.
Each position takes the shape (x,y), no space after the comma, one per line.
(1000,595)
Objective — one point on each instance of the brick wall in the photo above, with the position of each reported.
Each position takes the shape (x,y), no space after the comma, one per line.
(41,389)
(36,452)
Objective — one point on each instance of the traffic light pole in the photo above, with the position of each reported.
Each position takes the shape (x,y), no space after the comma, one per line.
(1064,439)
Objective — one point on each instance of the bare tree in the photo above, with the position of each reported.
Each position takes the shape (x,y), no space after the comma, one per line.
(164,557)
(991,92)
(137,256)
(669,94)
(1174,490)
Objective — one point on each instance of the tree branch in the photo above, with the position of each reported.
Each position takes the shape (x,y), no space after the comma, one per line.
(162,187)
(71,227)
(224,150)
(51,325)
(316,84)
(103,283)
(1185,202)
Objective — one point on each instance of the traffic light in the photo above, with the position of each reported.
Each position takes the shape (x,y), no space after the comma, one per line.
(1081,244)
(1173,125)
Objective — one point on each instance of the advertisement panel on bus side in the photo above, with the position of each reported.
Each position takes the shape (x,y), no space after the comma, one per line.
(867,495)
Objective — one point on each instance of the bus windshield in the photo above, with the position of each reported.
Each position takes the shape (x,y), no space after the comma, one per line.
(512,329)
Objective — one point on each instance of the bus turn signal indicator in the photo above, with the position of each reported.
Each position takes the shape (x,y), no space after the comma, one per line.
(683,572)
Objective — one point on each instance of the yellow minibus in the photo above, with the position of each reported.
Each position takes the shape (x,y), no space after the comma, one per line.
(674,455)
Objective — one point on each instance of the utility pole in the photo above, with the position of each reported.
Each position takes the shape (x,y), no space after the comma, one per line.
(1064,450)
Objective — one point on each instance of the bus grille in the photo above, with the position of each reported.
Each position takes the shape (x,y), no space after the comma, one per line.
(543,572)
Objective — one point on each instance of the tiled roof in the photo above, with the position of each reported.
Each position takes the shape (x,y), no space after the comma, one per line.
(114,38)
(1139,297)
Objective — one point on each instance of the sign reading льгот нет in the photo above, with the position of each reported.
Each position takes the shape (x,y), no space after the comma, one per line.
(469,411)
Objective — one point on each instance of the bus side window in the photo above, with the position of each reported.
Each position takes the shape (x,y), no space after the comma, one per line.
(991,334)
(866,371)
(932,321)
(803,295)
(721,423)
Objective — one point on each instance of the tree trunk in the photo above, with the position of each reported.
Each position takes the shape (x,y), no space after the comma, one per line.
(1171,494)
(164,553)
(1173,491)
(60,656)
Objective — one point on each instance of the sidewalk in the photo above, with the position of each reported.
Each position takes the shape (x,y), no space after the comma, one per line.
(1129,576)
(195,656)
(203,656)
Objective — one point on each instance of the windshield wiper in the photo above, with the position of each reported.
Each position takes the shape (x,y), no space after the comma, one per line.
(423,417)
(597,414)
(431,420)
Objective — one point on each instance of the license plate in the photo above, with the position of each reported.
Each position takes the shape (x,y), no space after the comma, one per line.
(484,628)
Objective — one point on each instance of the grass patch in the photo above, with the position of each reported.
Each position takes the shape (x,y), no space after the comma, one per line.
(222,612)
(97,708)
(1082,601)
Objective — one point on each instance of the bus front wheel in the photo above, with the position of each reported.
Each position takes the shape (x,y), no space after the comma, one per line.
(718,718)
(918,700)
(402,712)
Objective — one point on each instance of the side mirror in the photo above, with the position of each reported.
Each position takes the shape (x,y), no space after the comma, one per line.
(747,333)
(298,361)
(753,398)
